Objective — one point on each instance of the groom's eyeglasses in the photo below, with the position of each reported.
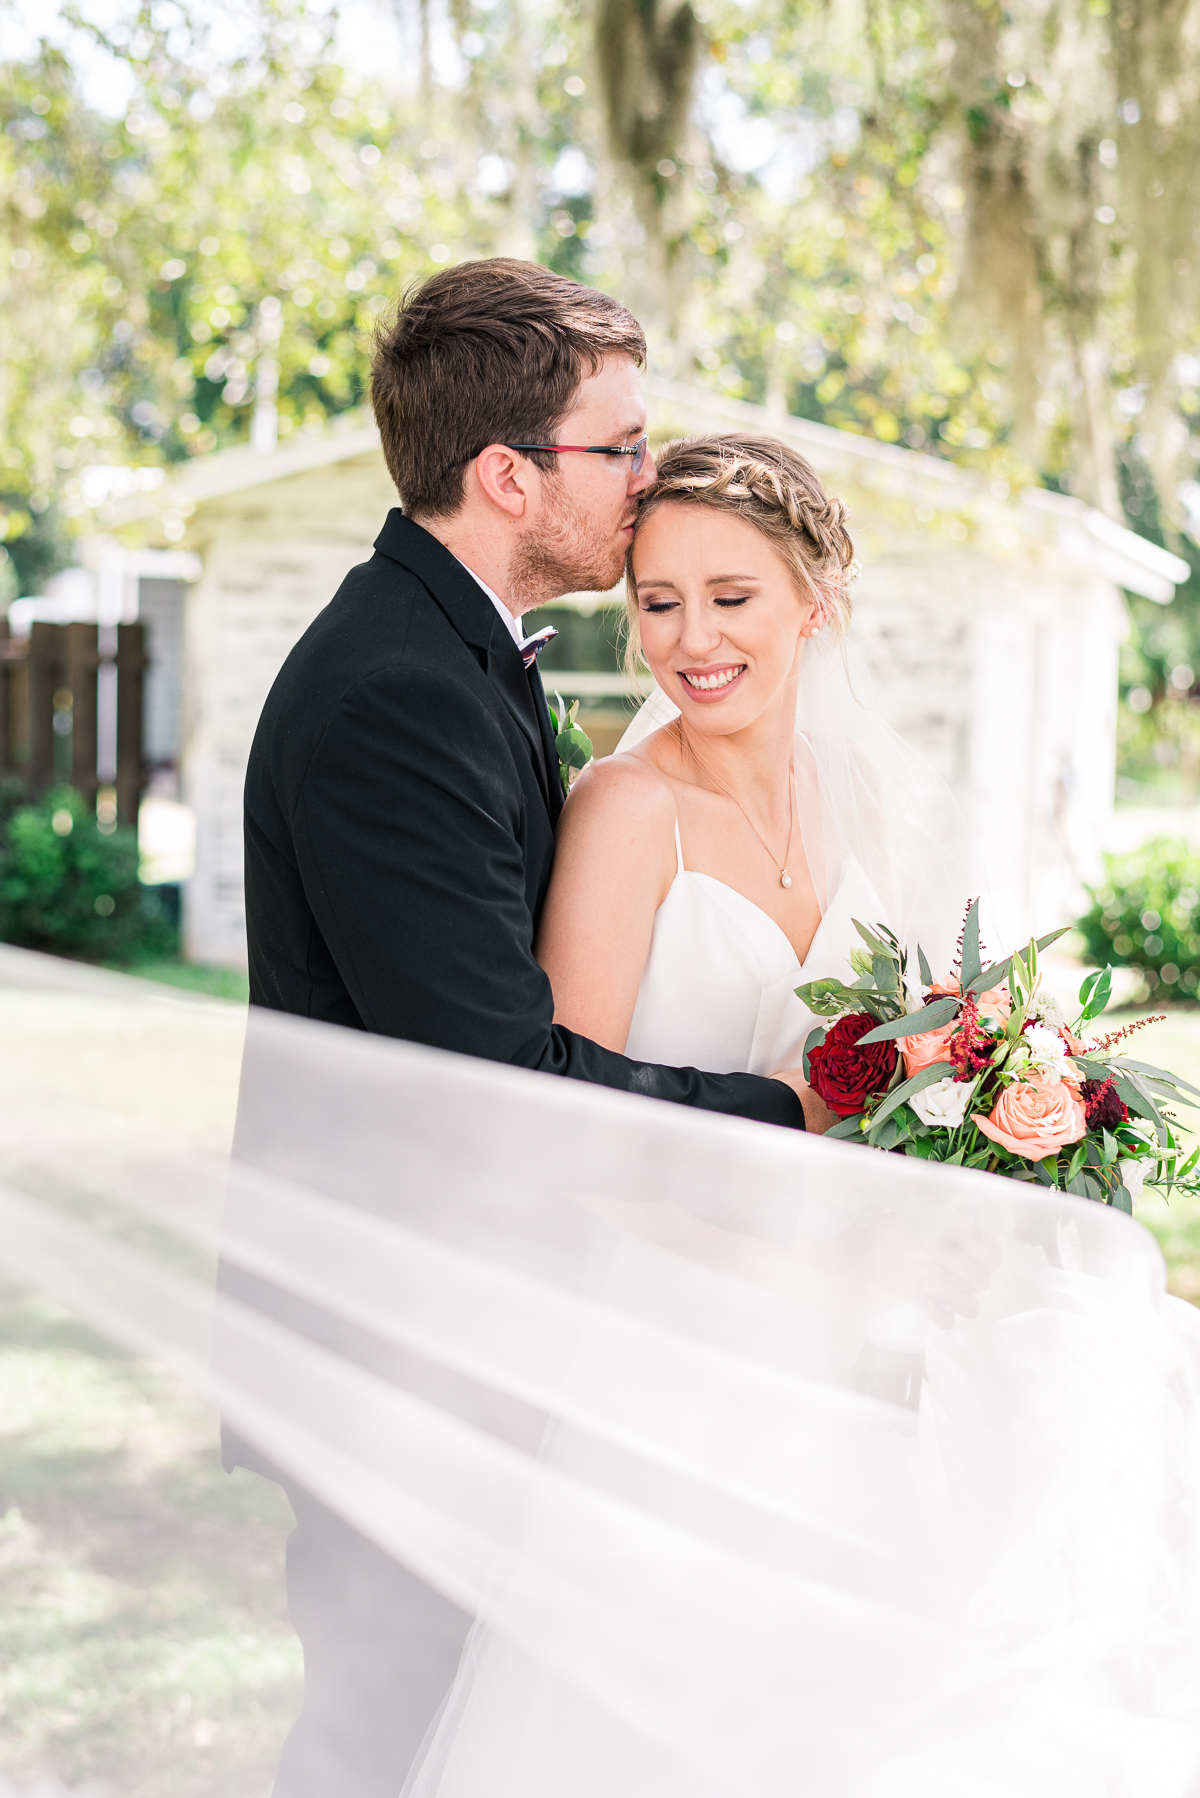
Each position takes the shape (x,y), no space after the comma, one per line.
(639,450)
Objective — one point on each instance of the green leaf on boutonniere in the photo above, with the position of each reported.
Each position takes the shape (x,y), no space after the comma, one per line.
(573,745)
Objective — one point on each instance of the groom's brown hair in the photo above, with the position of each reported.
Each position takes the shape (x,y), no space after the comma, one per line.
(485,352)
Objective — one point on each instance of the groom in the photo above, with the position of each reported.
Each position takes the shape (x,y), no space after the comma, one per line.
(401,799)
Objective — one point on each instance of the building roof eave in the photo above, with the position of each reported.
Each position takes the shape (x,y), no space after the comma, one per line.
(1089,538)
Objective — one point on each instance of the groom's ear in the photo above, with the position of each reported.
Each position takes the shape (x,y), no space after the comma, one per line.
(505,478)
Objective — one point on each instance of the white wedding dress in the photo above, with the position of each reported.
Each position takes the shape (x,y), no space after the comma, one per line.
(719,987)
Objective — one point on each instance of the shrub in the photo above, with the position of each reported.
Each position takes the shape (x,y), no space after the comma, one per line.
(67,887)
(1146,915)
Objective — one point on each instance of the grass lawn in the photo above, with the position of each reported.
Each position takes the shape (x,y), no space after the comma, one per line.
(145,1647)
(144,1637)
(221,983)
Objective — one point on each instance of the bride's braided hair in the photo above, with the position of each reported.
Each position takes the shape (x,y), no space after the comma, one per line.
(773,488)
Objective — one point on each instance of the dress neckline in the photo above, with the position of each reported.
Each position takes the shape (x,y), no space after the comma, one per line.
(768,920)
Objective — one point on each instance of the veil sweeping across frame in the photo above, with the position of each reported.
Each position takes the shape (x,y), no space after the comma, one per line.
(585,1364)
(867,799)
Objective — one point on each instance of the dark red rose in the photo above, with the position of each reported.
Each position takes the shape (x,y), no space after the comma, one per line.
(845,1074)
(1101,1105)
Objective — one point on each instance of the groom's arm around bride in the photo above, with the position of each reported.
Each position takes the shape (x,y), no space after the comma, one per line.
(401,800)
(403,786)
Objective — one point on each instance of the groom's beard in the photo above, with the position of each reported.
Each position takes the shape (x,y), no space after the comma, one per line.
(571,553)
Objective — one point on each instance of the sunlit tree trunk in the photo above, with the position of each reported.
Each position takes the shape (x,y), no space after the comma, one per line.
(1157,57)
(999,298)
(646,55)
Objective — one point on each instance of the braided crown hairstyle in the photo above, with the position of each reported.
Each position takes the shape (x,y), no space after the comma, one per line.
(773,488)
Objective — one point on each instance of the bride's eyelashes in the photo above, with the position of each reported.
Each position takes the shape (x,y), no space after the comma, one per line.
(658,606)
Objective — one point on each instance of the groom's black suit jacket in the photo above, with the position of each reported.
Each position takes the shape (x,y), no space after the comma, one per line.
(401,799)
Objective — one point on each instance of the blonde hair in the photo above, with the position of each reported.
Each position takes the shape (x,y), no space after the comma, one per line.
(773,488)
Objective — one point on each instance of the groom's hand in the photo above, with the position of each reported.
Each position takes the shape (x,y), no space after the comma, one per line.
(817,1115)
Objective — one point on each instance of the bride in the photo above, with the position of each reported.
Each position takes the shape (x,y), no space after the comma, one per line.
(757,806)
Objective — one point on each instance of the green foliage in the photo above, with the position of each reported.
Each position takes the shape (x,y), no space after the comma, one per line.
(1146,915)
(69,889)
(572,744)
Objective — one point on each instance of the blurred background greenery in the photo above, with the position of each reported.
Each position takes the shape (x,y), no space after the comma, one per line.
(962,228)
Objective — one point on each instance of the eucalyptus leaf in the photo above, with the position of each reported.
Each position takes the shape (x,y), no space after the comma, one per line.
(1145,1067)
(1090,1070)
(917,1083)
(847,1130)
(972,967)
(874,943)
(923,965)
(884,970)
(888,1137)
(1138,1100)
(1121,1200)
(813,1040)
(931,1017)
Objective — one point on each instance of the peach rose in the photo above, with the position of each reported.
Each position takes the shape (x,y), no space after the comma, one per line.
(1034,1120)
(928,1046)
(995,1004)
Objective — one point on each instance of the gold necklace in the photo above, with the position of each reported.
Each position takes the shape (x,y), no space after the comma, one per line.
(785,879)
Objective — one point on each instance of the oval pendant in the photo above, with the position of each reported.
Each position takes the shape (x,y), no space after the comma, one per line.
(785,879)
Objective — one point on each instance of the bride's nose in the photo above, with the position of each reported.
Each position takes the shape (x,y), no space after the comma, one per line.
(701,630)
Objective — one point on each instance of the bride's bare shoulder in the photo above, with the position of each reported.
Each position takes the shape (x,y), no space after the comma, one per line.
(621,793)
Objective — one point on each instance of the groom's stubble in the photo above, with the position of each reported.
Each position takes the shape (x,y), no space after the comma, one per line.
(570,551)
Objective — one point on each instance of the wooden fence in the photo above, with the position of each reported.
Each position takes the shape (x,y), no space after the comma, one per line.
(71,710)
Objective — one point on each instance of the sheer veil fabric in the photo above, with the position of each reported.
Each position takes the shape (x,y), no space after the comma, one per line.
(866,797)
(587,1365)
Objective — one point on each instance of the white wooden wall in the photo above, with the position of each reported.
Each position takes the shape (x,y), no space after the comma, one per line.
(272,559)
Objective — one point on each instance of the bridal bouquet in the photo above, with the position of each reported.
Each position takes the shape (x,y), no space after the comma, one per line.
(985,1070)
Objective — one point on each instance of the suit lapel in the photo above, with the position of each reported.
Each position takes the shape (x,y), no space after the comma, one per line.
(458,594)
(506,669)
(549,747)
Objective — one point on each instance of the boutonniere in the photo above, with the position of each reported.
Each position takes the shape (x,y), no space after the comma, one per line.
(573,745)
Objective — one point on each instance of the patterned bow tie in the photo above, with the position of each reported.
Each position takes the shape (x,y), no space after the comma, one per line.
(533,646)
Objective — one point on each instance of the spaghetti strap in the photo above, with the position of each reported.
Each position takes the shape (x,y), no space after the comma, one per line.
(679,867)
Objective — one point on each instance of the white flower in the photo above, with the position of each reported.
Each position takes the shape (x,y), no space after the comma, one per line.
(913,1002)
(1133,1176)
(943,1106)
(1046,1007)
(1042,1052)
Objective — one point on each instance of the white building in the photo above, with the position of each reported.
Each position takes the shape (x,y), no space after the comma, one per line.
(991,626)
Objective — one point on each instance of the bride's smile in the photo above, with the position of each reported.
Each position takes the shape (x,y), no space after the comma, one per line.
(693,865)
(711,683)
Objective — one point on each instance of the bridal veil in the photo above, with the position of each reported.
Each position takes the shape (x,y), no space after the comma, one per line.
(592,1367)
(865,796)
